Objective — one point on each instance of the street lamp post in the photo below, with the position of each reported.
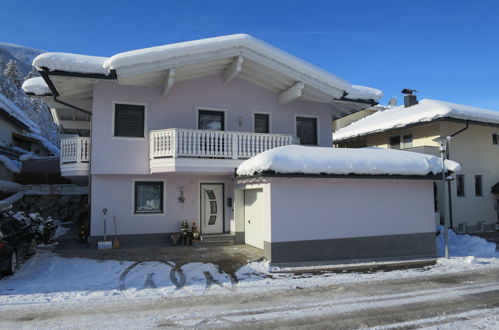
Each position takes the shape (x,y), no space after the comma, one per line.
(443,141)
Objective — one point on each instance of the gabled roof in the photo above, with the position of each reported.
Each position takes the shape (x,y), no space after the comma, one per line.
(73,76)
(424,112)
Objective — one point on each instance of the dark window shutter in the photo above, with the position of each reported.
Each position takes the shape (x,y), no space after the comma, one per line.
(129,120)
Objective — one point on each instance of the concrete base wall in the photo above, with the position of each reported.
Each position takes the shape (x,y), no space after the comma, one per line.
(388,247)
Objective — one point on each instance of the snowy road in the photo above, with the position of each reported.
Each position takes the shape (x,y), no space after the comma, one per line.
(390,300)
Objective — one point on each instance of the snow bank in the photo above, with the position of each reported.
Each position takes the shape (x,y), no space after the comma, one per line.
(426,110)
(12,165)
(321,160)
(17,113)
(71,63)
(46,143)
(465,245)
(36,86)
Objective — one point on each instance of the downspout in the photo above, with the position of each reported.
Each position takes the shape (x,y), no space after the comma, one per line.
(55,94)
(448,182)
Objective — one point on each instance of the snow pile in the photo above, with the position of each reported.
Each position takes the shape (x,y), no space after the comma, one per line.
(17,113)
(465,246)
(12,165)
(71,63)
(343,161)
(36,86)
(362,92)
(426,110)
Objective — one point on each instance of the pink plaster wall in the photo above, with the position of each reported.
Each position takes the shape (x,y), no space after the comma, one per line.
(115,192)
(179,110)
(311,209)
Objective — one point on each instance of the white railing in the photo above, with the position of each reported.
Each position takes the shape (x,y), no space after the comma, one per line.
(75,150)
(175,142)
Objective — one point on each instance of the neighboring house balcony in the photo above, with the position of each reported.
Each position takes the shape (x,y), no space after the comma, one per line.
(75,156)
(191,150)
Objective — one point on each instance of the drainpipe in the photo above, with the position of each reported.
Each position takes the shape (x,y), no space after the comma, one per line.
(448,182)
(45,75)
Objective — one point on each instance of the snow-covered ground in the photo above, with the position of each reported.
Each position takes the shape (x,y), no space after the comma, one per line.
(49,279)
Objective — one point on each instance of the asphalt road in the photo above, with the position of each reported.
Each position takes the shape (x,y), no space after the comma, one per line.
(401,303)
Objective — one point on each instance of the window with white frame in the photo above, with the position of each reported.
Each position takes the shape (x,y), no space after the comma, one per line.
(402,141)
(306,130)
(148,197)
(395,142)
(129,120)
(262,123)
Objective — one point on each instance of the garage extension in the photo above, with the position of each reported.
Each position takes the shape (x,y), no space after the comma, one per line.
(311,204)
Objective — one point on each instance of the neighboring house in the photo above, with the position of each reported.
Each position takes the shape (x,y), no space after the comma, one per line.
(474,144)
(19,136)
(160,131)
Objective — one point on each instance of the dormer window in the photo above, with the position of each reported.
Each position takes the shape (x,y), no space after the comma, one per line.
(129,120)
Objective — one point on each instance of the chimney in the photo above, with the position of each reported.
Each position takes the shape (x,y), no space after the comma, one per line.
(409,98)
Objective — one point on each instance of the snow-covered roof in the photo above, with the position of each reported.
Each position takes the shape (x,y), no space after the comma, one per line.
(344,161)
(18,114)
(143,62)
(71,63)
(425,111)
(36,86)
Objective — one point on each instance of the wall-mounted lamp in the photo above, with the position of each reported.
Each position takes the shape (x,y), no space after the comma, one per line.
(181,199)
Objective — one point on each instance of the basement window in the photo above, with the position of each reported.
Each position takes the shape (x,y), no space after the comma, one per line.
(129,120)
(148,197)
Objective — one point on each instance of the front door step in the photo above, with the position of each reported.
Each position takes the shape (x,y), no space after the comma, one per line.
(216,239)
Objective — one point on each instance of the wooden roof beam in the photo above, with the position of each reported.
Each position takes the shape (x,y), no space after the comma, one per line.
(233,70)
(170,79)
(292,93)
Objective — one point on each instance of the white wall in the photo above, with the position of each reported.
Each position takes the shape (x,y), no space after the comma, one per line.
(115,192)
(325,208)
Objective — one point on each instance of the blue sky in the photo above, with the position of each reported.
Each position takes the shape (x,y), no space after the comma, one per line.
(448,50)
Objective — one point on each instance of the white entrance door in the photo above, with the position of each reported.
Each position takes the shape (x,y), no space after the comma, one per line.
(212,208)
(253,217)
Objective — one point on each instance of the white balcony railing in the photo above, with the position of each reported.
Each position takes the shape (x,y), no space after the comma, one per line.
(75,150)
(176,142)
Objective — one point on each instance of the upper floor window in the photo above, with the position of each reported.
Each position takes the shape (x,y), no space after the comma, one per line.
(395,142)
(495,138)
(306,130)
(262,123)
(211,120)
(148,197)
(478,186)
(460,185)
(129,120)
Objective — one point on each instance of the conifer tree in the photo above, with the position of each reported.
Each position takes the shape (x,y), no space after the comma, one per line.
(13,73)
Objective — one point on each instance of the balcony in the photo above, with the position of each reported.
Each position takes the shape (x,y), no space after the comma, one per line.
(190,150)
(75,156)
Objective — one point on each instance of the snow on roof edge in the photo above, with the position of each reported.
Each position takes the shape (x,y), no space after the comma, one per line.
(36,86)
(17,113)
(102,65)
(344,161)
(425,111)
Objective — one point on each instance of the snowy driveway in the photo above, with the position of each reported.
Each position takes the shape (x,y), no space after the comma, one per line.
(54,292)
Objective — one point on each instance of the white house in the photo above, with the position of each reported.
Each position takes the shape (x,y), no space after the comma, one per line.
(159,132)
